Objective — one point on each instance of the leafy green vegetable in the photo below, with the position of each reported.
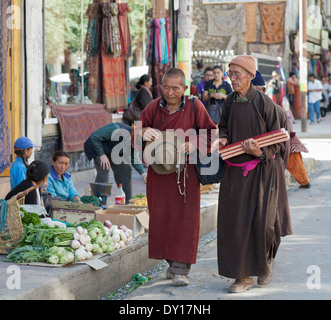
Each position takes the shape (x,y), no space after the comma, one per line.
(43,235)
(27,254)
(30,217)
(140,195)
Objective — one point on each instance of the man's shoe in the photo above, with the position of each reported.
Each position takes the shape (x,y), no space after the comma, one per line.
(179,280)
(241,285)
(311,122)
(307,186)
(266,279)
(169,274)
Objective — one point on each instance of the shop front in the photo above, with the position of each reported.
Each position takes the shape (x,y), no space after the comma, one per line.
(62,58)
(10,85)
(94,53)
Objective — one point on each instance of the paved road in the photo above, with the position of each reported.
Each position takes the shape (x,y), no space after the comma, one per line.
(302,264)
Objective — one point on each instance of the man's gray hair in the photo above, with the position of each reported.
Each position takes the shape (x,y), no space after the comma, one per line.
(175,73)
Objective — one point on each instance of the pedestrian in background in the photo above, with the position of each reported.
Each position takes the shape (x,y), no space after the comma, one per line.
(276,89)
(23,148)
(325,96)
(314,98)
(215,91)
(99,147)
(207,76)
(173,195)
(144,94)
(197,75)
(291,83)
(248,226)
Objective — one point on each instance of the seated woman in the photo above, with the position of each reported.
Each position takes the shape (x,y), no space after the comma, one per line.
(59,181)
(37,175)
(23,151)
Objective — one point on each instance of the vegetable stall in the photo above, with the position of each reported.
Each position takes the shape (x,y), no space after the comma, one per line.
(26,238)
(54,244)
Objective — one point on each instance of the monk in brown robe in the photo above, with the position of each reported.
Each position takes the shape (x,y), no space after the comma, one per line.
(248,226)
(281,159)
(174,217)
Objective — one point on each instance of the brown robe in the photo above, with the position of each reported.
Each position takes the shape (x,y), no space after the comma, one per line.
(281,164)
(248,226)
(174,225)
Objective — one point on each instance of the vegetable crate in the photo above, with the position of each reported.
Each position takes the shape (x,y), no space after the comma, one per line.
(12,223)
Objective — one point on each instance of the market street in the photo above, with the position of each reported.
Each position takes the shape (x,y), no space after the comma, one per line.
(301,267)
(302,263)
(294,265)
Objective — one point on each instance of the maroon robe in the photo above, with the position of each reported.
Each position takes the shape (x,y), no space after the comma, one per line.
(174,225)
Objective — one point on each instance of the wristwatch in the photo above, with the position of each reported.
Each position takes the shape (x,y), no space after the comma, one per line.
(263,156)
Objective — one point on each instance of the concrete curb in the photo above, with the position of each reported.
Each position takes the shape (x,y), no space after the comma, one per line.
(80,281)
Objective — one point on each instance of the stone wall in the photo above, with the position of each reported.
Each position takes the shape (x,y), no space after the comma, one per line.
(202,40)
(205,42)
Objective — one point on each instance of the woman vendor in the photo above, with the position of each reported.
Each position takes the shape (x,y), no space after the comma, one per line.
(60,183)
(23,151)
(144,94)
(37,175)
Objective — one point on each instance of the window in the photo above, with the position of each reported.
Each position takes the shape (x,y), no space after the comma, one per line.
(65,70)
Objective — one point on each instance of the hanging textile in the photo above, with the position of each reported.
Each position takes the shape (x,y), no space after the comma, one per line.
(227,22)
(92,39)
(150,41)
(4,132)
(250,22)
(111,39)
(159,51)
(124,30)
(169,39)
(114,82)
(92,46)
(272,20)
(157,41)
(164,41)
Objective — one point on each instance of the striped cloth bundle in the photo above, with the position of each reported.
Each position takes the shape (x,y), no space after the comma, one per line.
(264,140)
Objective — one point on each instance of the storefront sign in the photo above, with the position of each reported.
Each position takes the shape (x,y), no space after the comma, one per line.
(236,1)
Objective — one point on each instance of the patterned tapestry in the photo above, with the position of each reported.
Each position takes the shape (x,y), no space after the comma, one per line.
(272,20)
(77,122)
(4,45)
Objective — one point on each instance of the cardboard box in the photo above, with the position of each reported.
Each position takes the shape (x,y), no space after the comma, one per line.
(73,212)
(135,218)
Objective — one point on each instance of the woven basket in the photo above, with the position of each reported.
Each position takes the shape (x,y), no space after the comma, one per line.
(13,230)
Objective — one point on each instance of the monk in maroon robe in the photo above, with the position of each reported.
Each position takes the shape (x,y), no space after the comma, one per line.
(174,218)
